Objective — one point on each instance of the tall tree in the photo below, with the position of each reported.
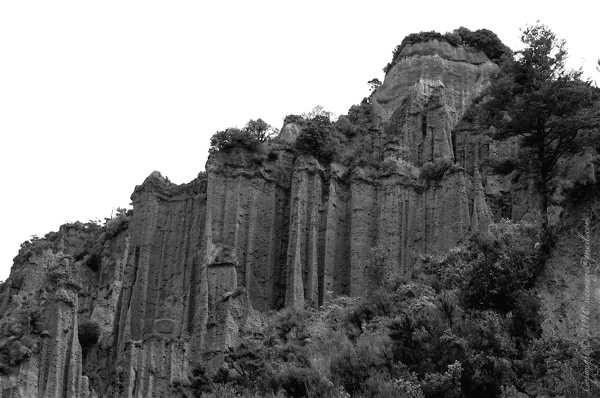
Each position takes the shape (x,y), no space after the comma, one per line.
(535,97)
(260,129)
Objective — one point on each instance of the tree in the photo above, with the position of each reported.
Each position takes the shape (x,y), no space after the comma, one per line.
(375,84)
(250,137)
(260,129)
(232,137)
(315,136)
(536,98)
(318,111)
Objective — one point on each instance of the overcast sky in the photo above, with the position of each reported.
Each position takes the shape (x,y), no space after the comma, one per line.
(94,96)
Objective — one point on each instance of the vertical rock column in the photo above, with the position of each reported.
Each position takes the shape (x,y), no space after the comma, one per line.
(396,199)
(302,262)
(363,235)
(60,361)
(481,215)
(335,274)
(221,328)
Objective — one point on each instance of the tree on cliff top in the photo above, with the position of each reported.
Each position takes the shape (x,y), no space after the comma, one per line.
(260,129)
(249,137)
(536,98)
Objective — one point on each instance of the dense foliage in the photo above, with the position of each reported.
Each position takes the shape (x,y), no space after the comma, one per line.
(482,39)
(88,333)
(433,171)
(315,137)
(250,137)
(466,324)
(19,333)
(537,100)
(318,136)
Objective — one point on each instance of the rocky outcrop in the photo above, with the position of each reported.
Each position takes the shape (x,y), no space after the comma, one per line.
(193,267)
(426,93)
(45,332)
(198,260)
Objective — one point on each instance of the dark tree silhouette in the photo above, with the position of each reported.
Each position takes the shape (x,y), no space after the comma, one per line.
(535,97)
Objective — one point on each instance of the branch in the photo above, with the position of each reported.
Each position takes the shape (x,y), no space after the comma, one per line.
(560,148)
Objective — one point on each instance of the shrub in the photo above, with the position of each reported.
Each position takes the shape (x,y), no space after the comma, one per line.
(318,111)
(19,330)
(355,365)
(14,351)
(250,137)
(180,386)
(432,171)
(363,152)
(381,387)
(486,41)
(250,368)
(294,119)
(291,325)
(260,130)
(93,259)
(506,264)
(411,39)
(315,137)
(232,137)
(88,333)
(503,166)
(200,382)
(552,366)
(362,115)
(377,267)
(304,382)
(117,224)
(442,385)
(482,39)
(526,319)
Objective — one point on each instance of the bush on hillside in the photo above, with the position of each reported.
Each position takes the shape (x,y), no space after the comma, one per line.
(433,171)
(88,333)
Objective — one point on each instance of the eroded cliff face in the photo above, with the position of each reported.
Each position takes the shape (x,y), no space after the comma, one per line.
(196,264)
(427,92)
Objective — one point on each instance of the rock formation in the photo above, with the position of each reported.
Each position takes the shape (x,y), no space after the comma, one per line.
(197,263)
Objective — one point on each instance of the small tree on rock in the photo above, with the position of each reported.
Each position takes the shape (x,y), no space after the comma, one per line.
(260,129)
(315,137)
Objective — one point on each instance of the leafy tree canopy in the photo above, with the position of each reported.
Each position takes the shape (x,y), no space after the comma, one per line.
(315,135)
(318,111)
(537,99)
(250,137)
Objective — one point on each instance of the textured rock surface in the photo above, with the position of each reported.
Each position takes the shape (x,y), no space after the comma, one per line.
(199,261)
(54,368)
(426,93)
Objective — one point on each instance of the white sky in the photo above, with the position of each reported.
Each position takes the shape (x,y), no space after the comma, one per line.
(94,96)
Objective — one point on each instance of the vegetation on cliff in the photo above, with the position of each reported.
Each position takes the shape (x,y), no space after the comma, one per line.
(250,136)
(537,99)
(481,39)
(20,329)
(23,324)
(467,324)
